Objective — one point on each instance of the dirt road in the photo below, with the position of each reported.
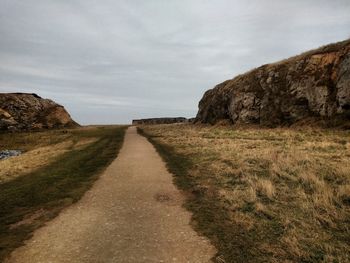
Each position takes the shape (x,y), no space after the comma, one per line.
(132,214)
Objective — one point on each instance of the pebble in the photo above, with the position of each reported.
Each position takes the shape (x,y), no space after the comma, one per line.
(9,153)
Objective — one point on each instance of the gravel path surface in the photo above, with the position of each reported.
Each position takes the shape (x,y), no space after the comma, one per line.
(132,214)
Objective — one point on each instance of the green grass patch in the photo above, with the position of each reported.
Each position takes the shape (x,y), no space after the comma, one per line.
(40,195)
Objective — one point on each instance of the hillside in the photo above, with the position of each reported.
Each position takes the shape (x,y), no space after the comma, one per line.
(23,111)
(311,87)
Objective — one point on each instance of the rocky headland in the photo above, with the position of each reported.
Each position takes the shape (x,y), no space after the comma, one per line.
(311,87)
(23,111)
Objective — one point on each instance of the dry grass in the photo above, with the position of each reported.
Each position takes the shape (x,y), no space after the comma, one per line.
(38,157)
(287,190)
(40,148)
(31,160)
(57,168)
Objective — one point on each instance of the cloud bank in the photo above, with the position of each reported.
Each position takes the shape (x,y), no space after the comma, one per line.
(111,61)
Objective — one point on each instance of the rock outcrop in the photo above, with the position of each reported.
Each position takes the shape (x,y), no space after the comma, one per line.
(22,111)
(312,86)
(159,121)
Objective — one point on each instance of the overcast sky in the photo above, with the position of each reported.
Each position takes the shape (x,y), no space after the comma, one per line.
(110,61)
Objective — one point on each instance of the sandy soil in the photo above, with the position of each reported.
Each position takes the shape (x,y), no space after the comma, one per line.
(133,213)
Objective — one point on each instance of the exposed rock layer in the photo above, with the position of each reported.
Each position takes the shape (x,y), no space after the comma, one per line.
(314,85)
(22,111)
(160,121)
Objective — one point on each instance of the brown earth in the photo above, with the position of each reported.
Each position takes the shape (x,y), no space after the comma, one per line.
(311,87)
(23,111)
(133,213)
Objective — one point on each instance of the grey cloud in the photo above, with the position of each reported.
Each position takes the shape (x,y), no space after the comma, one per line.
(110,61)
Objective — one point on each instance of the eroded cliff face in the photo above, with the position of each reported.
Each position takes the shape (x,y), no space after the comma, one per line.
(22,111)
(314,85)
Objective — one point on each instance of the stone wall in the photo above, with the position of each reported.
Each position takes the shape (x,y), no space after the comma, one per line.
(159,121)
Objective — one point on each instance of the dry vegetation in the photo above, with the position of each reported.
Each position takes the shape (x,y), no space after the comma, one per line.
(264,195)
(54,172)
(40,148)
(38,157)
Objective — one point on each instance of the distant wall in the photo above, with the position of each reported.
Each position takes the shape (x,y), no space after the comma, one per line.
(160,121)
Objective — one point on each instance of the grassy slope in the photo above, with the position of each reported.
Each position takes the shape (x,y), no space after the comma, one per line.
(263,195)
(27,141)
(39,196)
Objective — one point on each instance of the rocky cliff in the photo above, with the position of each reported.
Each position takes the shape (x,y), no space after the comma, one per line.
(160,121)
(312,86)
(22,111)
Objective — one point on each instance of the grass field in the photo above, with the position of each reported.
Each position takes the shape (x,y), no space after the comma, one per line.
(55,171)
(263,195)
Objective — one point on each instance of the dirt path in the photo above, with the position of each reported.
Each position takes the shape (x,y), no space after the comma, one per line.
(132,214)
